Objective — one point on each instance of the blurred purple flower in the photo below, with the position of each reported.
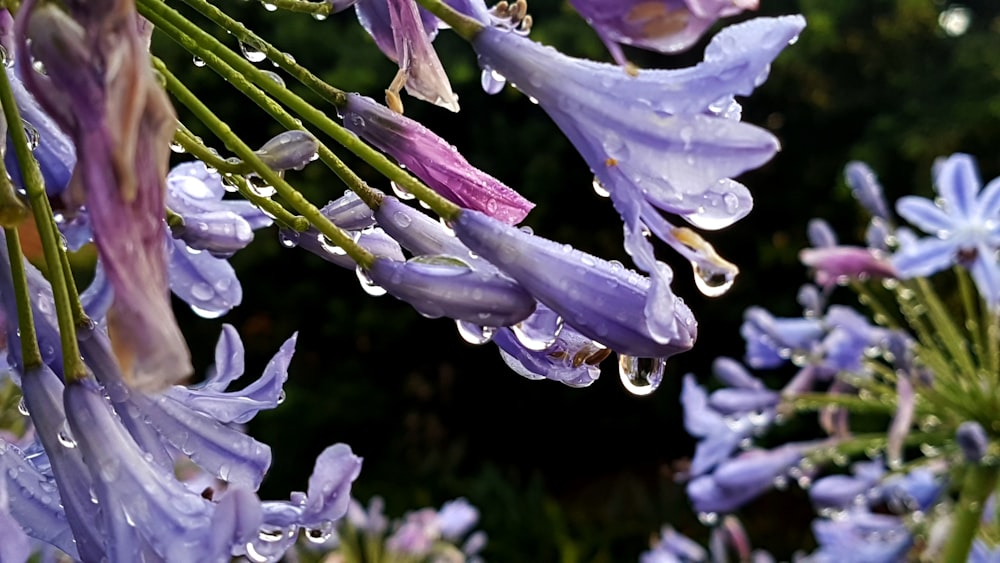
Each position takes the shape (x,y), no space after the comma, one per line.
(673,547)
(737,481)
(861,536)
(432,159)
(15,547)
(121,123)
(965,226)
(666,26)
(834,264)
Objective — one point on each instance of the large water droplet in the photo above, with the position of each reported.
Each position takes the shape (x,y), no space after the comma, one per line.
(474,334)
(253,53)
(208,313)
(259,186)
(288,238)
(492,81)
(198,61)
(539,331)
(321,534)
(370,287)
(641,376)
(713,281)
(32,134)
(22,407)
(599,188)
(400,192)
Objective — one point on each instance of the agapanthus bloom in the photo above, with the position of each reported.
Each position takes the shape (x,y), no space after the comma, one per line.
(432,159)
(662,140)
(121,123)
(665,26)
(965,225)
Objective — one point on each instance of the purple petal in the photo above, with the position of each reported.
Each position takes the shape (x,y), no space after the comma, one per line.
(866,188)
(32,499)
(433,160)
(421,234)
(957,180)
(425,76)
(602,301)
(924,214)
(924,257)
(290,150)
(14,544)
(349,212)
(330,485)
(442,286)
(206,283)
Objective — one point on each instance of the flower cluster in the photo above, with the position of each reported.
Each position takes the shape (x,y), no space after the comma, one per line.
(122,461)
(926,367)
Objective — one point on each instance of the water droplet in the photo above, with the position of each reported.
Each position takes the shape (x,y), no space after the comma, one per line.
(708,518)
(269,7)
(8,60)
(274,77)
(492,81)
(32,134)
(402,219)
(319,17)
(320,534)
(198,62)
(202,291)
(288,238)
(329,247)
(208,313)
(177,147)
(712,280)
(599,188)
(259,186)
(39,67)
(65,437)
(474,334)
(539,331)
(22,407)
(253,53)
(400,192)
(641,376)
(370,287)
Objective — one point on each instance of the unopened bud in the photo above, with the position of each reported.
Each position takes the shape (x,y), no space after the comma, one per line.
(289,150)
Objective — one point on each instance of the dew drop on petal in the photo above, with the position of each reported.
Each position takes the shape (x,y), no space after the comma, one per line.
(641,376)
(32,134)
(539,331)
(492,81)
(208,313)
(599,188)
(474,334)
(65,437)
(22,407)
(370,287)
(400,192)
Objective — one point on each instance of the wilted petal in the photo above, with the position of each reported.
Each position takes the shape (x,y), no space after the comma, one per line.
(432,159)
(602,301)
(425,76)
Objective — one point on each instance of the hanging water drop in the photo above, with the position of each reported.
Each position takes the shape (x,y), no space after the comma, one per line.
(400,192)
(713,281)
(492,81)
(252,52)
(269,7)
(329,247)
(288,238)
(321,534)
(370,287)
(65,437)
(32,134)
(198,61)
(539,331)
(259,186)
(641,376)
(22,407)
(599,188)
(208,313)
(474,334)
(177,147)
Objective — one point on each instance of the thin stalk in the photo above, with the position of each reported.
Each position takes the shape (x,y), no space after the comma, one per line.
(319,10)
(31,356)
(221,130)
(199,150)
(978,483)
(951,337)
(73,366)
(237,70)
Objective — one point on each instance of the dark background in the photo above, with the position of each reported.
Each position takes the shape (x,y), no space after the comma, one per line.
(566,474)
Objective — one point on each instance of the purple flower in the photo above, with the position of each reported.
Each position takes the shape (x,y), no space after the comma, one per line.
(840,492)
(673,547)
(665,26)
(567,357)
(861,536)
(660,140)
(972,439)
(833,264)
(457,518)
(14,544)
(622,310)
(741,479)
(866,188)
(433,160)
(965,227)
(213,229)
(121,123)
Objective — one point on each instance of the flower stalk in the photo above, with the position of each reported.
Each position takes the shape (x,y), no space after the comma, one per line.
(979,482)
(243,151)
(466,27)
(73,367)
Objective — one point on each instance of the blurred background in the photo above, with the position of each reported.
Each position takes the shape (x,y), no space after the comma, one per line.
(563,474)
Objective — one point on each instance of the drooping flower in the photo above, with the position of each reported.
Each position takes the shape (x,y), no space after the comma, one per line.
(403,32)
(121,123)
(602,301)
(213,229)
(737,481)
(965,227)
(432,159)
(662,140)
(666,26)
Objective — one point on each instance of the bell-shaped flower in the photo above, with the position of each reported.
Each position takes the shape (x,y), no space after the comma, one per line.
(404,32)
(666,26)
(964,227)
(121,123)
(432,159)
(603,301)
(741,479)
(571,358)
(661,140)
(213,229)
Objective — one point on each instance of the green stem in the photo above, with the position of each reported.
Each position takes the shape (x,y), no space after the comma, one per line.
(236,70)
(333,95)
(463,25)
(221,130)
(977,485)
(319,10)
(80,317)
(73,366)
(30,354)
(199,150)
